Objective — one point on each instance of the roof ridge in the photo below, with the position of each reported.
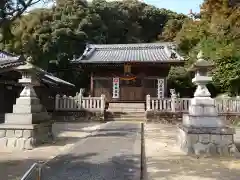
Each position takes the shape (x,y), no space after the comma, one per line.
(131,45)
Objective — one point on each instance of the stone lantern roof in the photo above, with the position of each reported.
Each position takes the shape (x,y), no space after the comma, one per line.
(201,63)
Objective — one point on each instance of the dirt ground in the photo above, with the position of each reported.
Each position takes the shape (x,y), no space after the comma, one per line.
(14,164)
(165,161)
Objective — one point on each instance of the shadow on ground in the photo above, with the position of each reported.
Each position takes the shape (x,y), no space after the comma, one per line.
(182,167)
(82,167)
(78,167)
(126,167)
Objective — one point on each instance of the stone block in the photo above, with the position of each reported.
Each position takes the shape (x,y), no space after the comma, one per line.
(223,150)
(27,100)
(207,101)
(233,149)
(20,143)
(10,133)
(27,133)
(29,143)
(34,108)
(215,138)
(203,110)
(2,133)
(197,121)
(200,149)
(34,118)
(18,133)
(11,143)
(212,149)
(192,138)
(204,138)
(3,142)
(227,139)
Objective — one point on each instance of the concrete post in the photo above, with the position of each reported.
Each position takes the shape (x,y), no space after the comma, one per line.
(148,105)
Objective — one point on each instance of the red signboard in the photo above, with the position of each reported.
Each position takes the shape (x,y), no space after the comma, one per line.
(115,80)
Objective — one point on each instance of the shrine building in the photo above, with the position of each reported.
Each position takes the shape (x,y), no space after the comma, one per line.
(129,72)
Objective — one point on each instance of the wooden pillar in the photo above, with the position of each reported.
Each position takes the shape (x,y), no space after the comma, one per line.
(91,85)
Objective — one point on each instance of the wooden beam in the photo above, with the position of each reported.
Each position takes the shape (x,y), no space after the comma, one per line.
(91,85)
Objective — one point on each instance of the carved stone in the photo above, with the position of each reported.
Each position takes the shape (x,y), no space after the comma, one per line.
(29,125)
(211,134)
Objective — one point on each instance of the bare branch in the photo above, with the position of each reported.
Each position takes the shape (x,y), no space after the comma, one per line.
(12,9)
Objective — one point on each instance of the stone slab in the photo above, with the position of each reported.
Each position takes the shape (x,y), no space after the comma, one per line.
(203,121)
(34,108)
(19,118)
(207,130)
(23,126)
(197,110)
(27,100)
(206,101)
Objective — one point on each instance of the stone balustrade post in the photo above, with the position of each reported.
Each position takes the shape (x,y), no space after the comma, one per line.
(173,100)
(148,105)
(103,102)
(57,102)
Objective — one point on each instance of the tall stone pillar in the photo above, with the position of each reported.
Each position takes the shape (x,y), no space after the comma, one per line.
(203,131)
(29,124)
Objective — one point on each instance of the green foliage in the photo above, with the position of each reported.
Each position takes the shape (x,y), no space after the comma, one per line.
(218,36)
(61,32)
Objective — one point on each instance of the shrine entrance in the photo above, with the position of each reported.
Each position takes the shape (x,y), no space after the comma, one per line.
(131,90)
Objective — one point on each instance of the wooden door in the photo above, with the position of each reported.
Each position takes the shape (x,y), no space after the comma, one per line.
(103,86)
(131,91)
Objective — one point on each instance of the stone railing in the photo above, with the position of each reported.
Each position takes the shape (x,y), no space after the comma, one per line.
(224,105)
(78,103)
(167,104)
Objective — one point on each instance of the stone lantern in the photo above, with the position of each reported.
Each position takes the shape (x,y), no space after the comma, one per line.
(29,124)
(202,130)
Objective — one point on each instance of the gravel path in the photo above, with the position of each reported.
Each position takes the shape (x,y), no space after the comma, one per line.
(165,161)
(113,153)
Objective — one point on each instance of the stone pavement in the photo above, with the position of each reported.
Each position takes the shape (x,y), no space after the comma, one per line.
(165,161)
(14,164)
(112,153)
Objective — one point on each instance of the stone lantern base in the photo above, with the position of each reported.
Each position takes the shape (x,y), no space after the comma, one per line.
(24,136)
(28,126)
(207,141)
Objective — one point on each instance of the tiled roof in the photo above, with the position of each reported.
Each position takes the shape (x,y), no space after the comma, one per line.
(8,60)
(49,77)
(119,53)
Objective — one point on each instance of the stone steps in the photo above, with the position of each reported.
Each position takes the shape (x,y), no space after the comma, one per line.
(126,112)
(127,105)
(140,119)
(126,116)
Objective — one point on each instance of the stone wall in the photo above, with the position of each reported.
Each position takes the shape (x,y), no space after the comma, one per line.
(20,137)
(77,116)
(164,117)
(176,118)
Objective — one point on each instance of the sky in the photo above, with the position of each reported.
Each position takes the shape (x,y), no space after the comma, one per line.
(179,6)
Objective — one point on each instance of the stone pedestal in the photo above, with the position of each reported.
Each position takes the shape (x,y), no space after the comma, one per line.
(29,125)
(24,136)
(203,131)
(207,141)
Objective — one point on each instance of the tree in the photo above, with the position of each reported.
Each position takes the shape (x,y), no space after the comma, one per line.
(10,10)
(218,36)
(60,33)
